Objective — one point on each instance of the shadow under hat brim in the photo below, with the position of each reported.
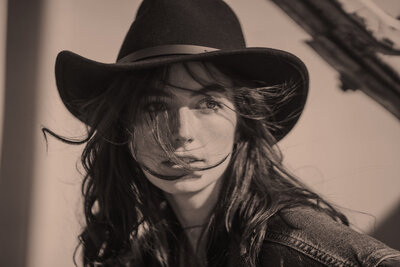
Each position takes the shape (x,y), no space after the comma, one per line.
(80,79)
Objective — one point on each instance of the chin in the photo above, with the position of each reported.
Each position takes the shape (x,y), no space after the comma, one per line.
(193,184)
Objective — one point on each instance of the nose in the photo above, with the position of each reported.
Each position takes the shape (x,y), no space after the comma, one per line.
(184,127)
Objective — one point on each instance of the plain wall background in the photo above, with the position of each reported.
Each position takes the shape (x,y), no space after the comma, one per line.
(345,145)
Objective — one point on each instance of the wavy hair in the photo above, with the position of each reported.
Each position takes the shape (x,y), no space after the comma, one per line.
(129,221)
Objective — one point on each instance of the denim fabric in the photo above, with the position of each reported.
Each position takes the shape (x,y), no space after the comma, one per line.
(305,237)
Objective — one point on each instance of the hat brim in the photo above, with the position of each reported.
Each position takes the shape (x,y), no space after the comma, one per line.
(79,79)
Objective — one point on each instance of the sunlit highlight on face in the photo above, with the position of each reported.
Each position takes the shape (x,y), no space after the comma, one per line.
(198,123)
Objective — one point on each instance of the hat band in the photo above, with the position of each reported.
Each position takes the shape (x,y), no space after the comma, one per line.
(165,50)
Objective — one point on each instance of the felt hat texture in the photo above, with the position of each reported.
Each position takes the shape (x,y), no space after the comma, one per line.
(170,31)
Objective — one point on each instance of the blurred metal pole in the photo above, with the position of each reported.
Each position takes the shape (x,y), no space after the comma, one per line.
(17,161)
(3,30)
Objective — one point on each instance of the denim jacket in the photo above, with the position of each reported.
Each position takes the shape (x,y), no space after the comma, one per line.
(317,240)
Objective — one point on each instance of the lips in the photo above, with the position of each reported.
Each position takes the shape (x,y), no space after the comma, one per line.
(194,161)
(190,160)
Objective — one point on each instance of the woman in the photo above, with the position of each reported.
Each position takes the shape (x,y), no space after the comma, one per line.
(181,159)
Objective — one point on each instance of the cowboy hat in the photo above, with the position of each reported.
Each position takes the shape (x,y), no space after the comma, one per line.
(166,32)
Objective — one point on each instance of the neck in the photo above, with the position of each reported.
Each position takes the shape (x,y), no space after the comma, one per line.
(193,209)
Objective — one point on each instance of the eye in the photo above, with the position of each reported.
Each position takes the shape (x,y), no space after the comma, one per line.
(209,103)
(155,107)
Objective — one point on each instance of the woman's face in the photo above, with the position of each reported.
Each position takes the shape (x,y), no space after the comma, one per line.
(199,123)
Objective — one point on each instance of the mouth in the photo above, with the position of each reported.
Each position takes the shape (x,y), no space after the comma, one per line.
(161,176)
(189,160)
(194,162)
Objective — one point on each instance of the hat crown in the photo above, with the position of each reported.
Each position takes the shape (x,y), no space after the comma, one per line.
(208,23)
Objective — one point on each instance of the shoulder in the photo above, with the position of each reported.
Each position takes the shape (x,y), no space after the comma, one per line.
(306,237)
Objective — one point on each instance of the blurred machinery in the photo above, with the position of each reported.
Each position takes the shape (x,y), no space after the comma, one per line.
(360,39)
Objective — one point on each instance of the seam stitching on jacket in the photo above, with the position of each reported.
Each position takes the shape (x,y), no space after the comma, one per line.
(389,256)
(318,255)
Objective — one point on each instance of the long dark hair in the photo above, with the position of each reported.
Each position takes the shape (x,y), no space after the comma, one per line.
(129,221)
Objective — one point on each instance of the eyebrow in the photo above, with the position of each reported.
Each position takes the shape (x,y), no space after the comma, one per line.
(209,88)
(157,92)
(202,91)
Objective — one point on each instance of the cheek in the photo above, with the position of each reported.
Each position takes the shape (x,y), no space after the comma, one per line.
(144,146)
(145,130)
(220,133)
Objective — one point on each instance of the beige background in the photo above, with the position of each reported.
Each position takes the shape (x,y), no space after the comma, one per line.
(345,146)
